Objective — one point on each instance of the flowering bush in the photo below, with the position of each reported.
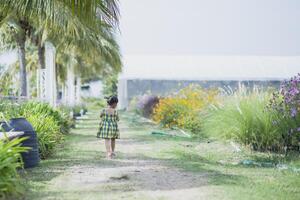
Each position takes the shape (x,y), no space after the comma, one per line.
(259,119)
(182,109)
(286,103)
(290,90)
(144,105)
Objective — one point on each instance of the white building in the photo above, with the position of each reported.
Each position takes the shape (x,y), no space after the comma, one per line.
(153,73)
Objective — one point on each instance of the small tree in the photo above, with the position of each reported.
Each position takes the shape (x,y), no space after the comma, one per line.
(110,85)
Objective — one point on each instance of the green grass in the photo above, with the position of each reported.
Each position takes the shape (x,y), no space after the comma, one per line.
(224,168)
(246,119)
(214,160)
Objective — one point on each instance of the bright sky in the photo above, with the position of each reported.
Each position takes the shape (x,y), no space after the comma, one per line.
(211,27)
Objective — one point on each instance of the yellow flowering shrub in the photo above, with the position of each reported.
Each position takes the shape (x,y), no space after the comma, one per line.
(182,109)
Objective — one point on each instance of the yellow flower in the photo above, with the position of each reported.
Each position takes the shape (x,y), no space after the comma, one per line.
(187,103)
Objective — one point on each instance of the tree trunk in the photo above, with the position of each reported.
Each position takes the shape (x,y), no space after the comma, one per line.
(41,56)
(22,60)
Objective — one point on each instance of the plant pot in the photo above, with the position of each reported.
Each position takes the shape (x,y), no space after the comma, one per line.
(30,158)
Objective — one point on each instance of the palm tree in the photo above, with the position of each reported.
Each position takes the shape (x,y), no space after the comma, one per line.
(18,31)
(88,10)
(44,15)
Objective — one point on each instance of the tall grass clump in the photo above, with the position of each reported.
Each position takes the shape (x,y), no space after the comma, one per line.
(61,118)
(258,119)
(50,125)
(245,118)
(10,183)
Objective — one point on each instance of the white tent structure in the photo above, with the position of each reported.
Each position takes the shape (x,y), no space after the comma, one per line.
(204,68)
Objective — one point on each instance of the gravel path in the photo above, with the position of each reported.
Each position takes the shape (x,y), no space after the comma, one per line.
(85,173)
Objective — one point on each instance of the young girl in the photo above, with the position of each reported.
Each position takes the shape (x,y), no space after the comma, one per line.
(109,126)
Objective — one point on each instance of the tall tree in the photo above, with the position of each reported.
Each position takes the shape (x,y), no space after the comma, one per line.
(46,14)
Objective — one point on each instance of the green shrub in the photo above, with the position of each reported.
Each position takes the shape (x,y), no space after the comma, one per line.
(49,123)
(62,119)
(48,132)
(182,109)
(110,85)
(10,184)
(245,119)
(8,109)
(144,105)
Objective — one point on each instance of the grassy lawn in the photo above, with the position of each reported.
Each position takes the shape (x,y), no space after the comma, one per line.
(158,167)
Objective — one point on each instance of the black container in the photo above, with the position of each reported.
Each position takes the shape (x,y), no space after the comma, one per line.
(30,158)
(4,126)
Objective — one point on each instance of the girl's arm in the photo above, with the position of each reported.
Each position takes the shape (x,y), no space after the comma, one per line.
(102,113)
(117,114)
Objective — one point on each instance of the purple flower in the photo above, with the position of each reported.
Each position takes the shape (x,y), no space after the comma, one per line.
(293,112)
(294,91)
(298,129)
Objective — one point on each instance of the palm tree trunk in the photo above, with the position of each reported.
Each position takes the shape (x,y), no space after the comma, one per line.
(41,56)
(23,75)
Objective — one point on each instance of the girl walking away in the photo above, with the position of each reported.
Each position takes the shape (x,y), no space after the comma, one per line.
(109,126)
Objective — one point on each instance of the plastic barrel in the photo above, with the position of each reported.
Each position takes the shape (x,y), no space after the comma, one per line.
(4,126)
(30,158)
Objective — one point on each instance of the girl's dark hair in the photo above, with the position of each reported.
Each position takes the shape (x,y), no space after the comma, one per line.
(112,100)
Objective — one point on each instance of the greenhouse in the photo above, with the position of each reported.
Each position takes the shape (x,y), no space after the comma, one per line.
(161,75)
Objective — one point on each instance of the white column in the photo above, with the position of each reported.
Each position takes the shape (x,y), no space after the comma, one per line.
(78,90)
(42,84)
(122,93)
(65,97)
(70,85)
(38,95)
(50,78)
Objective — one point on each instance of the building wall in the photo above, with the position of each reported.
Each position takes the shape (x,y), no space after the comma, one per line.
(137,87)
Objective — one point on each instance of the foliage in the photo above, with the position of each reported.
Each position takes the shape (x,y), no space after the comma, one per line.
(6,83)
(88,30)
(50,124)
(110,85)
(8,109)
(9,163)
(48,132)
(144,105)
(286,103)
(245,119)
(61,118)
(251,119)
(182,109)
(6,80)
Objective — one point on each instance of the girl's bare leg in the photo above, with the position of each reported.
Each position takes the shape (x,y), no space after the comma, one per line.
(108,147)
(113,144)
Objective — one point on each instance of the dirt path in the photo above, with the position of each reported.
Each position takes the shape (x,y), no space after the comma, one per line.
(80,170)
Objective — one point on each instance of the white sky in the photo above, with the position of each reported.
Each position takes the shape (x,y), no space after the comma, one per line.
(211,27)
(210,67)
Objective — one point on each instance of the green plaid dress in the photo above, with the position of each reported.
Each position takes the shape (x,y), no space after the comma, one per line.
(109,125)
